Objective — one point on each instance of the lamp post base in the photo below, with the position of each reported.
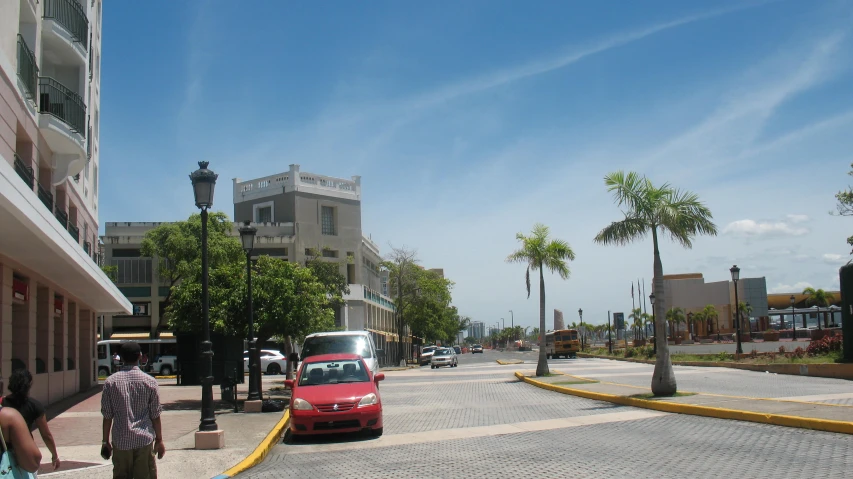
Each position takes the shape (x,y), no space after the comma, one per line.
(253,406)
(205,440)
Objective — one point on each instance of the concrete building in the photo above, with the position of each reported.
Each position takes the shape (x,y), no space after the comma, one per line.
(51,286)
(558,320)
(477,330)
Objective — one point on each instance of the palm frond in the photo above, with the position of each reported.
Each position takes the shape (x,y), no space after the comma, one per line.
(527,279)
(623,232)
(683,216)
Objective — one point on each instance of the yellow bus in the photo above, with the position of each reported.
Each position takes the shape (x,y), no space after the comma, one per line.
(562,343)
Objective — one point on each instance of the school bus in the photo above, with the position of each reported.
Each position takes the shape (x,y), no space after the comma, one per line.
(562,343)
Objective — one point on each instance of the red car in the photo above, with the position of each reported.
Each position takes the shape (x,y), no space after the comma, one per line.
(335,393)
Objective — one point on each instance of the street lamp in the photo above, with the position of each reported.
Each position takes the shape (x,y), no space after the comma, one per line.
(654,323)
(793,319)
(204,181)
(735,277)
(580,313)
(691,325)
(512,323)
(609,335)
(247,236)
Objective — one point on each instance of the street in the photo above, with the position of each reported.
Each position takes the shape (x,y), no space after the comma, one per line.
(477,420)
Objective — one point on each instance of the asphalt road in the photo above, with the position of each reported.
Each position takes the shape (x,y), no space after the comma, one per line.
(730,348)
(478,421)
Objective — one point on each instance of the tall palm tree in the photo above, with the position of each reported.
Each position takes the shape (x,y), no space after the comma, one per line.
(648,320)
(745,312)
(709,312)
(636,318)
(675,316)
(818,297)
(649,210)
(539,252)
(698,318)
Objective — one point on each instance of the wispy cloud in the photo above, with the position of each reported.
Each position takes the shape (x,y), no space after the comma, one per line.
(835,258)
(763,228)
(798,218)
(790,288)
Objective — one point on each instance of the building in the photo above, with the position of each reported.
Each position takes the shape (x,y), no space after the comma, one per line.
(691,293)
(477,330)
(558,320)
(298,215)
(51,286)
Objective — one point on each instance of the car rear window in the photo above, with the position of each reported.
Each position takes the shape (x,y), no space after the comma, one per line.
(337,344)
(333,372)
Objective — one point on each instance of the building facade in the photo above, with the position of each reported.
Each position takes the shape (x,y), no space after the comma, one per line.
(52,288)
(558,320)
(691,293)
(477,330)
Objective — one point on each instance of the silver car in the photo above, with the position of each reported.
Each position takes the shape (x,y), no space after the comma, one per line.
(443,357)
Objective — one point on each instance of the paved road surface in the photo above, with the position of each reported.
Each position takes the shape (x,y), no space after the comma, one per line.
(478,421)
(730,348)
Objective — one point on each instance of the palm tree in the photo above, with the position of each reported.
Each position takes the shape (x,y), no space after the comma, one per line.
(698,318)
(636,318)
(745,309)
(675,316)
(647,320)
(709,312)
(818,297)
(651,209)
(540,252)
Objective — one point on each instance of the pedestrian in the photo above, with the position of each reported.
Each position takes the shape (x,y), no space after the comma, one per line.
(17,440)
(130,404)
(32,411)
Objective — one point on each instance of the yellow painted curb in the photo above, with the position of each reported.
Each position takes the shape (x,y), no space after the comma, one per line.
(513,361)
(697,410)
(263,448)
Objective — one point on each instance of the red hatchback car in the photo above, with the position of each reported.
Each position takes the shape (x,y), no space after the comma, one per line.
(335,393)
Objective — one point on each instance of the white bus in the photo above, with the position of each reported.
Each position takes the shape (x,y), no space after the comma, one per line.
(161,351)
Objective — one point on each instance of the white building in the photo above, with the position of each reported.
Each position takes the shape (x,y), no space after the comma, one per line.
(51,287)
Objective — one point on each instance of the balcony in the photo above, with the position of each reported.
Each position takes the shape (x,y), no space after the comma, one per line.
(46,197)
(87,247)
(28,70)
(74,232)
(57,100)
(24,171)
(62,217)
(71,15)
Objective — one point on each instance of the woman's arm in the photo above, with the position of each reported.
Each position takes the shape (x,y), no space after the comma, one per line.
(26,451)
(47,437)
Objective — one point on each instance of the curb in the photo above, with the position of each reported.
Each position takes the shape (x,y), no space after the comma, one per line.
(696,410)
(511,361)
(261,451)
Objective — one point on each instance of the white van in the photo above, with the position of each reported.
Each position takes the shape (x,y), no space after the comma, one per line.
(353,342)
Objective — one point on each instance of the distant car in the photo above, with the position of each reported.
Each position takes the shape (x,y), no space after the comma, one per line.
(272,361)
(164,365)
(426,354)
(443,357)
(457,349)
(335,393)
(477,348)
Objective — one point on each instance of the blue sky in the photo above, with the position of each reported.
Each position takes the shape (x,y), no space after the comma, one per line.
(471,121)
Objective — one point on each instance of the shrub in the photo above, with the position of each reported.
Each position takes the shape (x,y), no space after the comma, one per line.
(824,346)
(723,356)
(647,351)
(771,356)
(782,350)
(799,353)
(630,352)
(753,354)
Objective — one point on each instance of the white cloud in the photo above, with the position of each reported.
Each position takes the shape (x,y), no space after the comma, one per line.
(834,258)
(798,218)
(787,288)
(763,228)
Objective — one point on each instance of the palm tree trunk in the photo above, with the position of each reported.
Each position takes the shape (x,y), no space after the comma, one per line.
(542,365)
(818,318)
(663,380)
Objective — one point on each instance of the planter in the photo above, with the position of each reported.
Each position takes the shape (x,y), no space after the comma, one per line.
(678,340)
(639,342)
(774,336)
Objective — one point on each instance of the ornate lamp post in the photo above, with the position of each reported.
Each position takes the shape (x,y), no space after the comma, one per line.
(204,181)
(580,313)
(654,323)
(735,277)
(247,236)
(793,319)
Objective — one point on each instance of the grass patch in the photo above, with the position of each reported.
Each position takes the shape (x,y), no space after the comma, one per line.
(578,381)
(652,396)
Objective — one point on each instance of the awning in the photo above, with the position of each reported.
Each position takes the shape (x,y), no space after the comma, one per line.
(383,333)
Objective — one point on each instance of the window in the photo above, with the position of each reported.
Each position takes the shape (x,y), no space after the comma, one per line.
(328,220)
(126,253)
(95,180)
(330,253)
(264,215)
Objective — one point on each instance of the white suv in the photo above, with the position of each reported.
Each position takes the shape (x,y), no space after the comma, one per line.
(272,361)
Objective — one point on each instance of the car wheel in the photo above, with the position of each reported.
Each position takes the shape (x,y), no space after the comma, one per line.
(273,368)
(103,372)
(166,371)
(376,432)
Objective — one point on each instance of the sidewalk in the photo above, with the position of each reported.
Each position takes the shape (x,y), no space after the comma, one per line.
(76,427)
(781,412)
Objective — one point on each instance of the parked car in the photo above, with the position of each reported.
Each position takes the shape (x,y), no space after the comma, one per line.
(477,348)
(272,361)
(457,349)
(443,357)
(164,365)
(335,393)
(426,354)
(343,342)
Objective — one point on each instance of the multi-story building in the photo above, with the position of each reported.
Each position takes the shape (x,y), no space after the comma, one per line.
(477,330)
(51,286)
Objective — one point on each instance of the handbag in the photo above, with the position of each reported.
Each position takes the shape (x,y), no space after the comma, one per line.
(9,465)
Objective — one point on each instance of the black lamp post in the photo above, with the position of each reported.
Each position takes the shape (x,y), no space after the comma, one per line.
(247,236)
(580,313)
(609,335)
(512,324)
(735,277)
(204,181)
(654,323)
(793,319)
(691,325)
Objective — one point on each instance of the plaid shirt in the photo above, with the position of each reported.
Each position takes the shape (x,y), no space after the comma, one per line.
(131,399)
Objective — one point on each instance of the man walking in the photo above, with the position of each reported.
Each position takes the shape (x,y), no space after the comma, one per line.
(130,404)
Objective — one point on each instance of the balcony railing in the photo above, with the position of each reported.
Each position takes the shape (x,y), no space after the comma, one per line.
(62,217)
(24,171)
(46,197)
(71,15)
(74,232)
(57,100)
(28,69)
(87,247)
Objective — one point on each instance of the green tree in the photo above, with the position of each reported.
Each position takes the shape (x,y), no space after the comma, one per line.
(845,204)
(177,248)
(650,209)
(818,297)
(328,271)
(744,313)
(675,316)
(539,252)
(636,318)
(709,313)
(698,319)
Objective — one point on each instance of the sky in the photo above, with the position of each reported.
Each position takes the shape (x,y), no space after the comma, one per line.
(471,121)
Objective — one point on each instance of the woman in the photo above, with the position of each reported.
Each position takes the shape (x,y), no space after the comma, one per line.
(18,438)
(31,410)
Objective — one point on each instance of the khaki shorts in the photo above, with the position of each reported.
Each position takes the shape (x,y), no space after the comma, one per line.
(135,463)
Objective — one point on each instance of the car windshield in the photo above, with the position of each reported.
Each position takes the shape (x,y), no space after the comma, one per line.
(333,372)
(444,352)
(478,346)
(337,344)
(428,349)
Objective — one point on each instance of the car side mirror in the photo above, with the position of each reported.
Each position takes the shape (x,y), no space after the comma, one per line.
(293,358)
(380,353)
(379,377)
(288,383)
